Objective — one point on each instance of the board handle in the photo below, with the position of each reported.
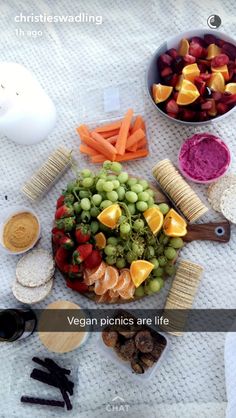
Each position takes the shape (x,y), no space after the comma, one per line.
(212,231)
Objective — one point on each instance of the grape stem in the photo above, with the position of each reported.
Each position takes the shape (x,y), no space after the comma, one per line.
(127,212)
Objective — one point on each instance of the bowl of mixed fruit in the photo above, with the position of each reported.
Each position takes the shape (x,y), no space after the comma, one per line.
(192,77)
(111,241)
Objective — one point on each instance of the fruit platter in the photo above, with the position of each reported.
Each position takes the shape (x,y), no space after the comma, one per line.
(195,80)
(111,241)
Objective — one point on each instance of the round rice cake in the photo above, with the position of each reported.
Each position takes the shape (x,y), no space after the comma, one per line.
(216,190)
(228,203)
(35,268)
(30,295)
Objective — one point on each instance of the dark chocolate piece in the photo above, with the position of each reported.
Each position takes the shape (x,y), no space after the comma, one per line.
(53,365)
(40,401)
(50,365)
(51,379)
(66,399)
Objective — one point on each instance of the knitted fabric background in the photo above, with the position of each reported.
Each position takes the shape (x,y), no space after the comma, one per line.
(70,59)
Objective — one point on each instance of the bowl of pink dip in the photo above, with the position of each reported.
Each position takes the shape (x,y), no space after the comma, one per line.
(204,158)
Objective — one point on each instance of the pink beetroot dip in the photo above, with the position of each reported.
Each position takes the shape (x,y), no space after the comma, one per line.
(204,157)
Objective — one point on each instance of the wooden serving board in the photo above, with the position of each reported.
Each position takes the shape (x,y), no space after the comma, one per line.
(213,231)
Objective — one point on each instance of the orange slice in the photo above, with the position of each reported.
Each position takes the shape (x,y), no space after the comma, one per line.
(174,225)
(92,275)
(217,82)
(140,270)
(183,47)
(222,70)
(179,82)
(154,219)
(110,216)
(231,88)
(190,72)
(212,51)
(100,240)
(188,93)
(160,92)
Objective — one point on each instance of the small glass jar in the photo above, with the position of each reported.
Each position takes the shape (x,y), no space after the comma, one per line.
(16,324)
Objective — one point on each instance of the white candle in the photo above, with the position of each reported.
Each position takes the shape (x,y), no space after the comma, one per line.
(27,114)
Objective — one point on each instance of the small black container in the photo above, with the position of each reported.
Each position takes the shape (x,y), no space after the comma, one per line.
(16,324)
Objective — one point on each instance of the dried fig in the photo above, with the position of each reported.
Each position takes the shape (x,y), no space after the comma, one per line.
(137,366)
(110,338)
(144,341)
(127,350)
(147,359)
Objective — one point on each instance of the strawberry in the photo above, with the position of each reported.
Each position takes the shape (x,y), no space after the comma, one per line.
(82,233)
(61,258)
(166,71)
(67,224)
(74,271)
(77,286)
(81,253)
(172,107)
(93,260)
(57,234)
(64,211)
(60,201)
(67,243)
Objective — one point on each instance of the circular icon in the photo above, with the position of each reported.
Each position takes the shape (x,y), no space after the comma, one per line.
(214,21)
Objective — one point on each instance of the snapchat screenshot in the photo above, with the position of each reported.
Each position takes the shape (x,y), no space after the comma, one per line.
(117,209)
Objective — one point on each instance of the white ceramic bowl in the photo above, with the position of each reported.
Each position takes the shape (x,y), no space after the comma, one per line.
(5,215)
(152,74)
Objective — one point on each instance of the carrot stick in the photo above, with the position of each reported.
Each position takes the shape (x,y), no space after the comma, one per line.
(108,134)
(126,157)
(109,127)
(82,130)
(105,147)
(138,123)
(87,150)
(100,147)
(112,139)
(135,137)
(140,144)
(123,133)
(132,155)
(99,158)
